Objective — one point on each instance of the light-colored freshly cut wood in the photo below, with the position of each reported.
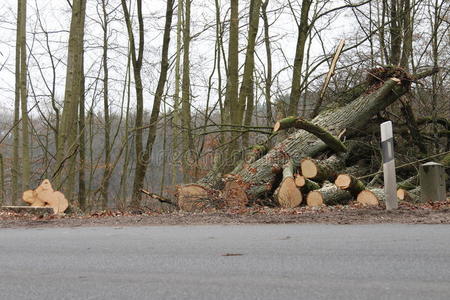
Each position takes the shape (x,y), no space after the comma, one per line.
(30,197)
(58,202)
(349,183)
(299,180)
(234,195)
(321,170)
(409,196)
(356,110)
(329,194)
(51,198)
(289,195)
(371,197)
(192,197)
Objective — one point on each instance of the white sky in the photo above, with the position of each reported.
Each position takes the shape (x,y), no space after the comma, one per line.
(55,16)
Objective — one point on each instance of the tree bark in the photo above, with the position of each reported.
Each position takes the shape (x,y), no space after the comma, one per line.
(259,177)
(288,195)
(329,194)
(300,123)
(136,60)
(68,138)
(371,197)
(321,170)
(349,183)
(145,156)
(303,30)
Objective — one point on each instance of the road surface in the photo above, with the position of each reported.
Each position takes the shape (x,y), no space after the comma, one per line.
(227,262)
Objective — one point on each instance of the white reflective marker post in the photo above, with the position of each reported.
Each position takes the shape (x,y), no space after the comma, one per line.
(390,181)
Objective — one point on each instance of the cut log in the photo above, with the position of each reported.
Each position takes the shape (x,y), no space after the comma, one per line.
(289,195)
(349,183)
(259,178)
(306,185)
(409,196)
(192,197)
(234,195)
(28,210)
(300,123)
(371,197)
(299,180)
(408,184)
(329,194)
(321,170)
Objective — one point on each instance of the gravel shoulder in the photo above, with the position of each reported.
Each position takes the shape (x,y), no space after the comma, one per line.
(436,213)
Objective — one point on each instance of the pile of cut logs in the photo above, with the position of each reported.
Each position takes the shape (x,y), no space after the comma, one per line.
(322,183)
(316,161)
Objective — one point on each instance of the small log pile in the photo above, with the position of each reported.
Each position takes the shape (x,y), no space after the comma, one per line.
(323,161)
(45,196)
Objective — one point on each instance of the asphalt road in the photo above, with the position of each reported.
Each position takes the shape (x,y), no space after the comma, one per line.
(227,262)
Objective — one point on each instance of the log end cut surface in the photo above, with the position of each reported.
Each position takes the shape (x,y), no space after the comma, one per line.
(343,181)
(314,199)
(299,180)
(309,168)
(192,197)
(289,196)
(368,198)
(234,195)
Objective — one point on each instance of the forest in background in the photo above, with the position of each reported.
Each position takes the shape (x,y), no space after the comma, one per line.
(130,95)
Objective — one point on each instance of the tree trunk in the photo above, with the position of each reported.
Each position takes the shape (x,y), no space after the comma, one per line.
(268,83)
(231,104)
(321,170)
(246,91)
(188,143)
(26,164)
(409,196)
(106,172)
(259,176)
(146,155)
(329,194)
(371,197)
(2,181)
(136,60)
(68,139)
(288,195)
(349,183)
(303,30)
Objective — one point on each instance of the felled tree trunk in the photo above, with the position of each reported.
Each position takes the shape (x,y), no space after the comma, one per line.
(321,170)
(300,123)
(258,179)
